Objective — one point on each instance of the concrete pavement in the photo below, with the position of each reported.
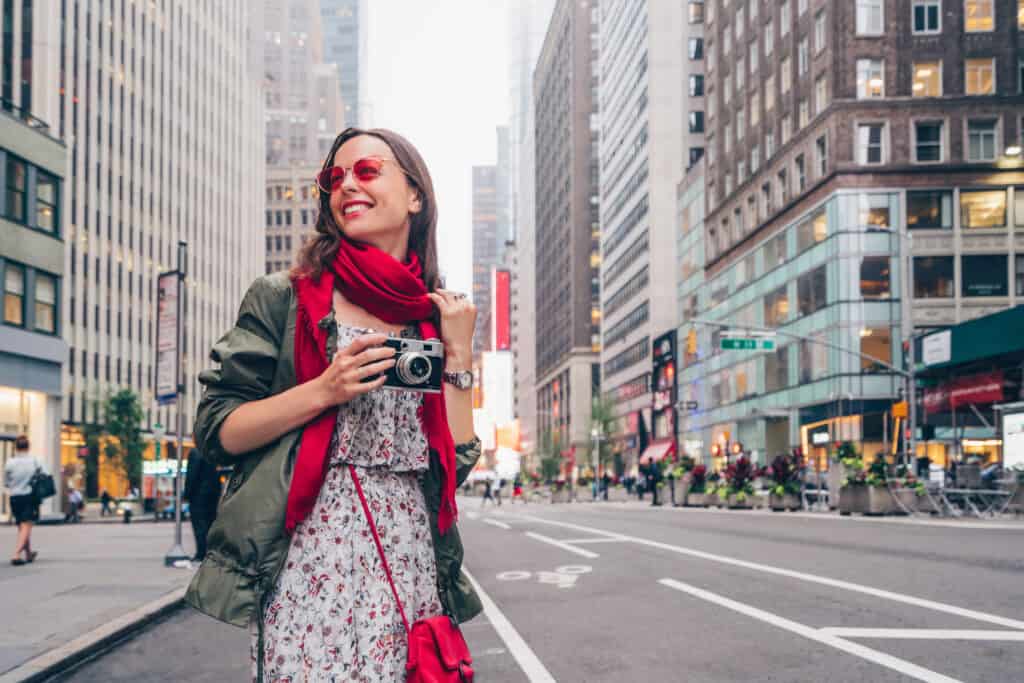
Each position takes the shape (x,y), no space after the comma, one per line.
(85,577)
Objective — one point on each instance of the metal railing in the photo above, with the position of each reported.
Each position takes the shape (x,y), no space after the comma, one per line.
(24,115)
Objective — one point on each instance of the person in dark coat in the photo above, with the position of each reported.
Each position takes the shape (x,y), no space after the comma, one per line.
(202,491)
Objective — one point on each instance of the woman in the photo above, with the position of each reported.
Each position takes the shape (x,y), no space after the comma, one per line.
(24,507)
(298,397)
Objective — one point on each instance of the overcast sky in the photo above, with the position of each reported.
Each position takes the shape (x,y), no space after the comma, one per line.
(438,75)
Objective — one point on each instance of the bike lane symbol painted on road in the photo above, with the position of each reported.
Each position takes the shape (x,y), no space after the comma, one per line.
(563,577)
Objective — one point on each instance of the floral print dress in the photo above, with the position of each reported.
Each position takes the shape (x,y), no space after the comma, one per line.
(332,615)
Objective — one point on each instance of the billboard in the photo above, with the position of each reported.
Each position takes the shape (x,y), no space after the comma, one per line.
(501,317)
(663,386)
(498,382)
(168,287)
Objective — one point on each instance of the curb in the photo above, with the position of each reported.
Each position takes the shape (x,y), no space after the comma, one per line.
(94,643)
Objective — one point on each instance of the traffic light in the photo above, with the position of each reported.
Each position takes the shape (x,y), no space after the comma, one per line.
(691,341)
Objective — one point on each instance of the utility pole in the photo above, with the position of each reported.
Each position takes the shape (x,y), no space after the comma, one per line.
(177,554)
(911,442)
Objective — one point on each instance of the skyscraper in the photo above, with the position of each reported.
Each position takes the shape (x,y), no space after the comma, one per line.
(567,304)
(861,170)
(344,31)
(642,54)
(485,251)
(160,106)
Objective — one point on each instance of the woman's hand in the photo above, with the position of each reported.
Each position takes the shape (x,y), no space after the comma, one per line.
(458,320)
(343,379)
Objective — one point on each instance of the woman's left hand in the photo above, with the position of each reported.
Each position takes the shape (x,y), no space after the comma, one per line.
(458,320)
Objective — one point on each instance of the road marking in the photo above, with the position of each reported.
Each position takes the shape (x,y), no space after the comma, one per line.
(802,576)
(524,656)
(880,658)
(923,633)
(514,575)
(494,522)
(574,569)
(564,546)
(472,515)
(574,541)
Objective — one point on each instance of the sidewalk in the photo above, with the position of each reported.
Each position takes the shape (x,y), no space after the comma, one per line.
(87,576)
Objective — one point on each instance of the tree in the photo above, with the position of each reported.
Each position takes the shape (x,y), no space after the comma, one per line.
(602,416)
(92,433)
(123,416)
(550,451)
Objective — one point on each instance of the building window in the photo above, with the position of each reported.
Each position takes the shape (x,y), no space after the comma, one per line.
(803,114)
(787,128)
(785,18)
(776,369)
(785,74)
(929,209)
(46,202)
(811,231)
(870,17)
(1020,71)
(927,79)
(802,57)
(871,143)
(696,122)
(983,275)
(800,173)
(981,140)
(933,277)
(741,123)
(14,294)
(820,28)
(874,277)
(741,21)
(695,154)
(776,307)
(1019,275)
(755,158)
(752,53)
(873,212)
(870,79)
(821,150)
(741,75)
(812,291)
(813,358)
(820,94)
(982,208)
(14,203)
(1018,205)
(769,145)
(696,8)
(726,88)
(755,108)
(876,343)
(769,38)
(696,85)
(46,303)
(696,48)
(980,16)
(928,141)
(926,16)
(980,76)
(775,253)
(769,92)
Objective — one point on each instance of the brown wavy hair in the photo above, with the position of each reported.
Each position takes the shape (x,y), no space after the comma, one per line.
(318,254)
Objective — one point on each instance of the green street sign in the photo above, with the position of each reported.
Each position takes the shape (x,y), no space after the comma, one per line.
(747,344)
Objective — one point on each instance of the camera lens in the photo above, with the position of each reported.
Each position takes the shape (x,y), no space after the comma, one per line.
(413,368)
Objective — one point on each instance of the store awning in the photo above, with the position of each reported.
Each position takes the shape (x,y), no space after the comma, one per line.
(658,450)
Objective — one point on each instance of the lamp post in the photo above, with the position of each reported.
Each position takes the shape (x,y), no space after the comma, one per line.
(597,435)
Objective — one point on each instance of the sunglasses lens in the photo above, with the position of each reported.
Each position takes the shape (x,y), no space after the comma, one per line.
(367,169)
(330,179)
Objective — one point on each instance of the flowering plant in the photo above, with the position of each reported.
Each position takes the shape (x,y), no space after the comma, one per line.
(878,472)
(740,475)
(699,479)
(784,475)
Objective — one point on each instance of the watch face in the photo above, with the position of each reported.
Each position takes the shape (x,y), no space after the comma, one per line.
(465,380)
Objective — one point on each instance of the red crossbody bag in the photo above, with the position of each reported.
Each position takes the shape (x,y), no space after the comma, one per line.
(437,651)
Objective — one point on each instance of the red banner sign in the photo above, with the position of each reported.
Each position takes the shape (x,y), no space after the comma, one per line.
(976,389)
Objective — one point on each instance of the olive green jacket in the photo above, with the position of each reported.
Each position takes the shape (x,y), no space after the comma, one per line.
(247,544)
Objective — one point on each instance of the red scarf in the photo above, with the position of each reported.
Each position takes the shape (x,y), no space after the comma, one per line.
(395,293)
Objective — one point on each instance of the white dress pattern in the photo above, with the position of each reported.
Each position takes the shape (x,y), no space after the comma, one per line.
(332,615)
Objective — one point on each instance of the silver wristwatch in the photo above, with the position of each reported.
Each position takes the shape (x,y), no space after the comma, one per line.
(460,380)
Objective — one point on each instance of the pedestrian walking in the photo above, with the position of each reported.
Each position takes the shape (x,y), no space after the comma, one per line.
(488,494)
(18,474)
(499,484)
(75,505)
(202,492)
(517,490)
(300,388)
(105,500)
(606,482)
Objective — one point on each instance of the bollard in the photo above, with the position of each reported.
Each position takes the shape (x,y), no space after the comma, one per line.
(128,516)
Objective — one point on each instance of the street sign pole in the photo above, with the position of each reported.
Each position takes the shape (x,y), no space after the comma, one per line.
(177,556)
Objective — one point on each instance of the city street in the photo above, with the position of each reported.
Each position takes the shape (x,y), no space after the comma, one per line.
(623,592)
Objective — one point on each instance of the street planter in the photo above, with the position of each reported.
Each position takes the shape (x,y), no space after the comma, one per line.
(926,503)
(679,488)
(618,494)
(711,500)
(880,501)
(734,503)
(907,501)
(560,495)
(834,480)
(784,502)
(696,500)
(852,499)
(1016,502)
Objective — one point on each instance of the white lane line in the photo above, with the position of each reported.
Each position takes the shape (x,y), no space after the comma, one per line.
(564,546)
(595,540)
(802,576)
(880,658)
(526,659)
(923,633)
(494,522)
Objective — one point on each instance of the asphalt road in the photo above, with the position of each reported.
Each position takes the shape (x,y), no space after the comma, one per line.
(620,592)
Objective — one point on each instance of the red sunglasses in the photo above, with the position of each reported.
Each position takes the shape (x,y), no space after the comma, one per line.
(364,170)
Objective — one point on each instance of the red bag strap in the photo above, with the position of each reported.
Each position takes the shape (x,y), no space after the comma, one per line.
(380,548)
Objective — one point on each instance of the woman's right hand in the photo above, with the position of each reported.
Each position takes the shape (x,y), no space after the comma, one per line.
(364,357)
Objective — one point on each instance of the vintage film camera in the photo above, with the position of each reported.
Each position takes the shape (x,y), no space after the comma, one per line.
(419,365)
